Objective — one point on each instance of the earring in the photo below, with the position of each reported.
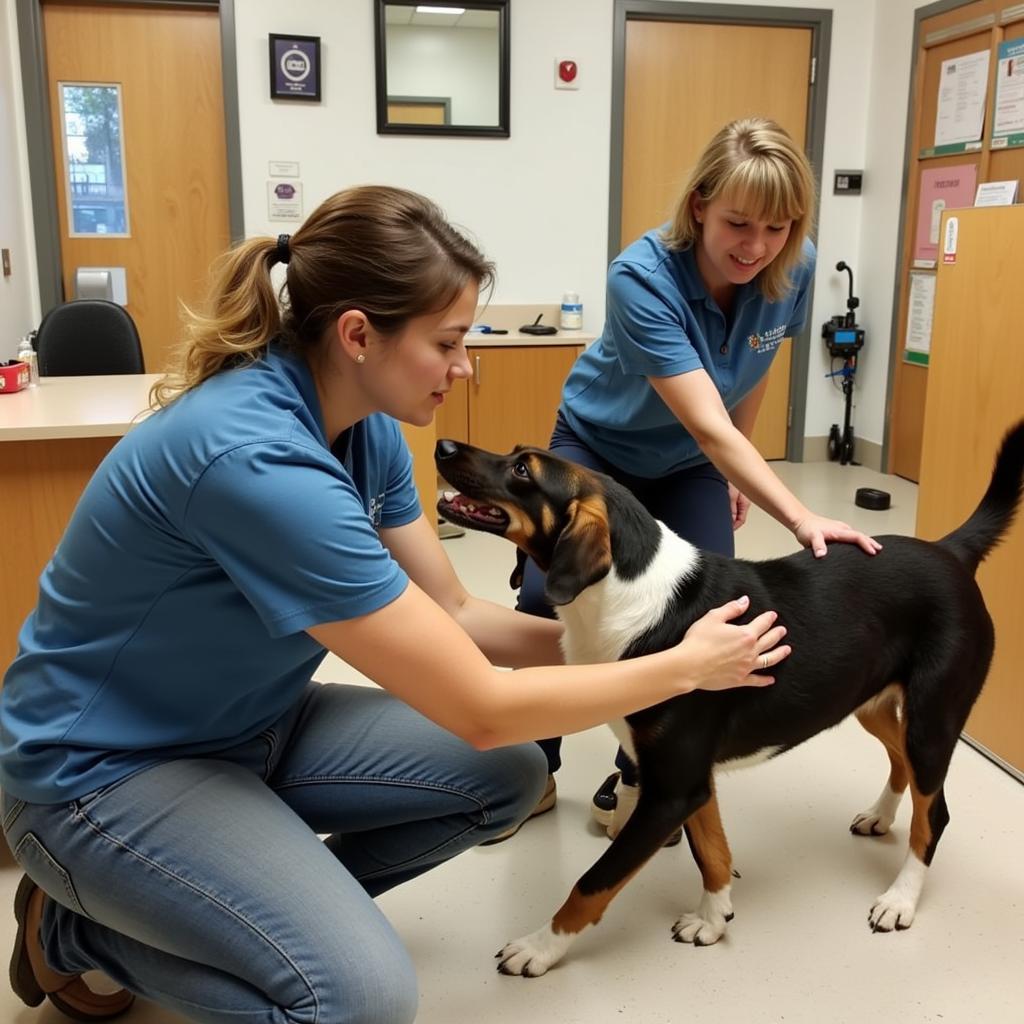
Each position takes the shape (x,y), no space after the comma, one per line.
(360,358)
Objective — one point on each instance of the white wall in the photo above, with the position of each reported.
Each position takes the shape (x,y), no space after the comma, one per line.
(453,63)
(19,293)
(537,203)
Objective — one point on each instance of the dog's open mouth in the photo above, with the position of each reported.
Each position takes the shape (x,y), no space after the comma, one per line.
(474,515)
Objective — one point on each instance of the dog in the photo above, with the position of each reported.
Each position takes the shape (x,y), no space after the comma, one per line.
(901,639)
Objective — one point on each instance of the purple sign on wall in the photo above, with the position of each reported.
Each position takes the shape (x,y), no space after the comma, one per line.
(294,67)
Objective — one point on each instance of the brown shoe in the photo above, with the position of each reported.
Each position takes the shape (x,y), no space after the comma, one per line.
(546,802)
(32,978)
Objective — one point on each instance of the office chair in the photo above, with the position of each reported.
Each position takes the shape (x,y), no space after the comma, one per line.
(85,337)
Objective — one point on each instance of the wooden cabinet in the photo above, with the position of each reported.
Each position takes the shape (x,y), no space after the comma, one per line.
(974,397)
(511,397)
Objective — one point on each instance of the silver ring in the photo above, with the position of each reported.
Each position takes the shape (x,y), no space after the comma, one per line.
(764,662)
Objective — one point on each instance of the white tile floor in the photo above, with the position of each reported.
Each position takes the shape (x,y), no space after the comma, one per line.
(799,950)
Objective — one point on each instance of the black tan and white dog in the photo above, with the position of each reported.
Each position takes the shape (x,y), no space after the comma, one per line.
(901,639)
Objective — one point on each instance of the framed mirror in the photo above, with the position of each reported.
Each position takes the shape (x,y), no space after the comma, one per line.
(442,68)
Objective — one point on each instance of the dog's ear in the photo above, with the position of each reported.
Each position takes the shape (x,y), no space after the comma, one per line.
(583,553)
(515,581)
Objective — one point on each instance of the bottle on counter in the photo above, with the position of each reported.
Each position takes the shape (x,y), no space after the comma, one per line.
(571,316)
(27,354)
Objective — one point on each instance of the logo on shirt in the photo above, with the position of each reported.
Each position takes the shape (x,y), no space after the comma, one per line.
(767,342)
(376,509)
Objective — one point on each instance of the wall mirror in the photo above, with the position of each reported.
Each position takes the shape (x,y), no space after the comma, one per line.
(442,69)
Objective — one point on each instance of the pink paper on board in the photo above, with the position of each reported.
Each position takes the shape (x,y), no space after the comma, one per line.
(942,188)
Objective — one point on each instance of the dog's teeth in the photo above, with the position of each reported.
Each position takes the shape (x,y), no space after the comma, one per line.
(448,495)
(470,508)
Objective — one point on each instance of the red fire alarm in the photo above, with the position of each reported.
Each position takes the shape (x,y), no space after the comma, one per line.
(566,72)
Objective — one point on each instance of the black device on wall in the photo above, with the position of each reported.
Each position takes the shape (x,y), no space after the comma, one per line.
(844,339)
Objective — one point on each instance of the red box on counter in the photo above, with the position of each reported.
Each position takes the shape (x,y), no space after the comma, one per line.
(13,376)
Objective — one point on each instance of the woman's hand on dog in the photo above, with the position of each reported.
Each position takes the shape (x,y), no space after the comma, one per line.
(727,655)
(815,531)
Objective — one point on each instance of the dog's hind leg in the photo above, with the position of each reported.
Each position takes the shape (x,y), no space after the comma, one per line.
(706,925)
(882,716)
(642,836)
(930,736)
(896,907)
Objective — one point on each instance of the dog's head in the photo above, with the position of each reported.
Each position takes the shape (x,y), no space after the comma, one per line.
(552,510)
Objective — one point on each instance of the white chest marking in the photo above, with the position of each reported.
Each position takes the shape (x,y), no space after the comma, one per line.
(606,618)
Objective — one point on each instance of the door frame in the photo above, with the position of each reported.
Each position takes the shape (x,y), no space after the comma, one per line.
(41,160)
(819,21)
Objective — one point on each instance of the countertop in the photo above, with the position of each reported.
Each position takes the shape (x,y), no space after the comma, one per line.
(60,407)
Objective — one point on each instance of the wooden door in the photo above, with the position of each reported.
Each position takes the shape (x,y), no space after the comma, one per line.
(166,61)
(683,82)
(514,394)
(974,396)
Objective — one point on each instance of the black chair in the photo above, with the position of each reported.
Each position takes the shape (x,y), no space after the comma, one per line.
(87,337)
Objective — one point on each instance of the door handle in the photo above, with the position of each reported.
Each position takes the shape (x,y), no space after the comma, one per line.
(476,370)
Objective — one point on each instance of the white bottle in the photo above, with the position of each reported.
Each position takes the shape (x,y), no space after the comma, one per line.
(571,318)
(27,354)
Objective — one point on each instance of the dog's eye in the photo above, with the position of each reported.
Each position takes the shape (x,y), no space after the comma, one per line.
(520,470)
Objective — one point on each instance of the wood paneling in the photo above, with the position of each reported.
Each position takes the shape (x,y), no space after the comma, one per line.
(667,60)
(514,393)
(41,482)
(974,396)
(167,62)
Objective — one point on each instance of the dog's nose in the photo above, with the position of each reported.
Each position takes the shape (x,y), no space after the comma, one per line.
(445,449)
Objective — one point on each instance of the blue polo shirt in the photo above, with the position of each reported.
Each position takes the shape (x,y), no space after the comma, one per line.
(171,619)
(661,322)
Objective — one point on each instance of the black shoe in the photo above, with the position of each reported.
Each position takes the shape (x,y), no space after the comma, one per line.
(604,801)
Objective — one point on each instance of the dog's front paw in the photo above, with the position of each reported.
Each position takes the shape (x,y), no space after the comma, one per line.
(533,954)
(706,925)
(892,910)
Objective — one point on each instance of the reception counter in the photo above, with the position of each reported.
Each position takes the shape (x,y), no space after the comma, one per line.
(52,438)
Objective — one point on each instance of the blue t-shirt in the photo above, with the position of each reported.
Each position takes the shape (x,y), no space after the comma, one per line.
(661,322)
(171,618)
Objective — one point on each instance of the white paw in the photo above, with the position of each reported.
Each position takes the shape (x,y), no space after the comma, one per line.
(871,823)
(533,954)
(892,910)
(706,925)
(877,819)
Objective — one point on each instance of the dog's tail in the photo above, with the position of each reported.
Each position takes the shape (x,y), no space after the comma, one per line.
(973,541)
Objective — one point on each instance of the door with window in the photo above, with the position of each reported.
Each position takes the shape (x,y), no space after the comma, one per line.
(684,81)
(140,155)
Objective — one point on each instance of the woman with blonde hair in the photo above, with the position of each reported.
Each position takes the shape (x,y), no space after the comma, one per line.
(665,400)
(168,766)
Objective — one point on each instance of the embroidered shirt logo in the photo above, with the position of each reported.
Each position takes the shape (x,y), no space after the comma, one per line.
(768,341)
(376,509)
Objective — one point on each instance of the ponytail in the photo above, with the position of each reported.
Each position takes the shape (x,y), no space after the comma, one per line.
(242,315)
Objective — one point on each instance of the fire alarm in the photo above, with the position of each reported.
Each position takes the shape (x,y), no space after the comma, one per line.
(566,74)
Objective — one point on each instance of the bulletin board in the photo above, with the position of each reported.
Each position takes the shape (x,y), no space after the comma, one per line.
(976,47)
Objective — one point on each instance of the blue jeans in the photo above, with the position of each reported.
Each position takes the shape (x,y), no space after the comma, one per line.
(202,885)
(692,502)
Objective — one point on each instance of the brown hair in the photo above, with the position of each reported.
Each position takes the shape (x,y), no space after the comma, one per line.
(767,176)
(385,251)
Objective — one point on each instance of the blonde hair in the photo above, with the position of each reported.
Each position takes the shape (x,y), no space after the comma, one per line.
(387,252)
(765,174)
